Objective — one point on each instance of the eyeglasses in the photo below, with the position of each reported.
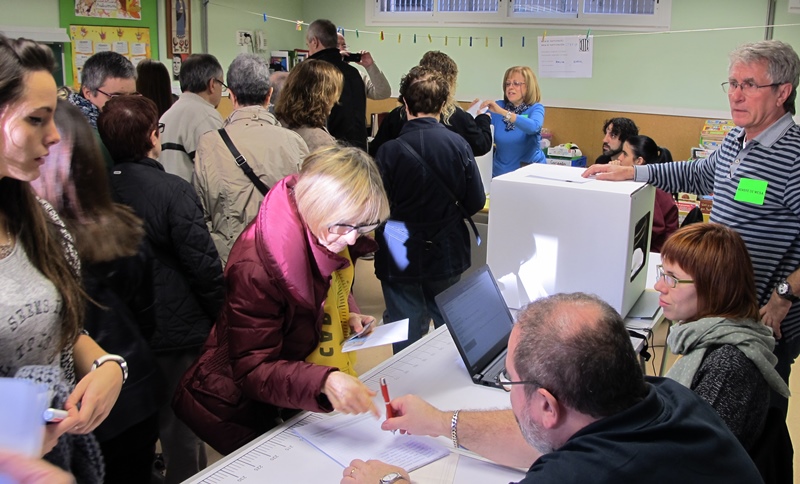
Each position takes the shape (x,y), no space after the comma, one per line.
(118,94)
(344,229)
(748,87)
(506,384)
(514,83)
(161,127)
(669,279)
(224,87)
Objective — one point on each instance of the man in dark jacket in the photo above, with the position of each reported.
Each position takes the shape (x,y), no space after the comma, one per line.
(425,245)
(347,121)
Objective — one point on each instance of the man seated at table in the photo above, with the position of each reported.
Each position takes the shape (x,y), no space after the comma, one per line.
(581,410)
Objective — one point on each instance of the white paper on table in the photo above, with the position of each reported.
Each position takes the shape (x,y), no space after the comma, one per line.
(21,420)
(381,335)
(475,109)
(347,437)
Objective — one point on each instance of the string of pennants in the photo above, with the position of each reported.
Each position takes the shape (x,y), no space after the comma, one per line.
(473,41)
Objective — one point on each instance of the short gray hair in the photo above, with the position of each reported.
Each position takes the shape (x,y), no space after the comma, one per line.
(248,79)
(783,64)
(325,31)
(105,65)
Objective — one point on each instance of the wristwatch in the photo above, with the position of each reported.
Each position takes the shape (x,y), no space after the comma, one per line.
(391,478)
(784,290)
(507,116)
(116,359)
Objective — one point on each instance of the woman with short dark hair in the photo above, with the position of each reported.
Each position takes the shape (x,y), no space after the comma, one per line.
(187,273)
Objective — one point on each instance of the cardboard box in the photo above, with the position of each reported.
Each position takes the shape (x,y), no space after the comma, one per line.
(552,231)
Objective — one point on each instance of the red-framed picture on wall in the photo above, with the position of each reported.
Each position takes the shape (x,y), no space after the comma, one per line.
(179,30)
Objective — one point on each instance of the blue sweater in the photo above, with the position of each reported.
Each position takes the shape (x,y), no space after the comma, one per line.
(521,144)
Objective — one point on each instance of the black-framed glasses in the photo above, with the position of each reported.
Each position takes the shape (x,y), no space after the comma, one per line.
(224,86)
(669,279)
(161,127)
(748,87)
(506,384)
(344,229)
(117,94)
(514,83)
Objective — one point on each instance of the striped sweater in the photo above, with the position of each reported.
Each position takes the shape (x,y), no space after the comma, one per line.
(770,230)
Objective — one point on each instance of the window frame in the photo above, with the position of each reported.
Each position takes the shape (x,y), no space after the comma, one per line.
(505,17)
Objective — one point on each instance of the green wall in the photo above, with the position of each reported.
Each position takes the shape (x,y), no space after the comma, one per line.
(667,74)
(677,73)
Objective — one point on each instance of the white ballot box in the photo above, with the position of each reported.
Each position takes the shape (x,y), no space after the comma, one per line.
(552,231)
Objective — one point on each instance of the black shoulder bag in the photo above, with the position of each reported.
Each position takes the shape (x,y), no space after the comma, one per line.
(447,190)
(241,162)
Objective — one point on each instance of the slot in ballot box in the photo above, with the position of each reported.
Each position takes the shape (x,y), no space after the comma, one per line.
(551,231)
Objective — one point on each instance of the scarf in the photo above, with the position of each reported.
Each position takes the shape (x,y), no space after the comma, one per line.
(516,110)
(750,337)
(336,322)
(88,109)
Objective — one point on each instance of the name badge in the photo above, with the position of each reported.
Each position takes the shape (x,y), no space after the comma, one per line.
(751,191)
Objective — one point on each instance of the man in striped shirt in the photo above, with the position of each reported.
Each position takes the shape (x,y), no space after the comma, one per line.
(755,179)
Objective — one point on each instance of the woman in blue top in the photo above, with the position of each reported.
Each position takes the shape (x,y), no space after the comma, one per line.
(517,121)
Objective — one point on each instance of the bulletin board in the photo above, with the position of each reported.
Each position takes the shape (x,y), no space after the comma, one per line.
(138,15)
(133,43)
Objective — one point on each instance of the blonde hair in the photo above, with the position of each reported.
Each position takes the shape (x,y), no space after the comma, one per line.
(310,92)
(339,184)
(532,93)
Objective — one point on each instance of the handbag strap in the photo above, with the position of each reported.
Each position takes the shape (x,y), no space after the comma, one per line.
(447,190)
(241,162)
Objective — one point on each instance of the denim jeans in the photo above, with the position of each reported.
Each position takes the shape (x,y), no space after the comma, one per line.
(415,301)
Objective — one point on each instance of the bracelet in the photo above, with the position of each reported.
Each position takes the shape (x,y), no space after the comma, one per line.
(123,365)
(453,429)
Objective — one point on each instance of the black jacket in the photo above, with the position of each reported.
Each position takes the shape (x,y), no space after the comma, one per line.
(186,271)
(426,237)
(347,121)
(477,131)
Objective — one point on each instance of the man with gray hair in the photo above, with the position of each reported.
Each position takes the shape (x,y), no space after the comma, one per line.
(104,75)
(230,198)
(755,178)
(347,121)
(581,410)
(192,115)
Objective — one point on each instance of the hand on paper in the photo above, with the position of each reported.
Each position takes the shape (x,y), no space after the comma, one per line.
(369,472)
(25,470)
(773,312)
(349,395)
(97,392)
(415,416)
(358,321)
(609,172)
(493,107)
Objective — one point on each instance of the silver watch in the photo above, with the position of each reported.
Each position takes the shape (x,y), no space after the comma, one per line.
(116,359)
(784,290)
(391,478)
(507,116)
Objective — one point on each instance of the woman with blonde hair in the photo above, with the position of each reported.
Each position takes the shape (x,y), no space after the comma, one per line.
(276,347)
(310,92)
(517,120)
(476,131)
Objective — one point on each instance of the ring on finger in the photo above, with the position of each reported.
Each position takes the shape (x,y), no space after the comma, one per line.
(352,471)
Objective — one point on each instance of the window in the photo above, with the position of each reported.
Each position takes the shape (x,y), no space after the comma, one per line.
(599,14)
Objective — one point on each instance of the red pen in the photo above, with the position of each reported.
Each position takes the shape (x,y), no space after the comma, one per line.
(386,399)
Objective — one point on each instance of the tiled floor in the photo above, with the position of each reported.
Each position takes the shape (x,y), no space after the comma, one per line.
(370,300)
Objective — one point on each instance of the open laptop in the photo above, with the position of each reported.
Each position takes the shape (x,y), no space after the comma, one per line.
(480,323)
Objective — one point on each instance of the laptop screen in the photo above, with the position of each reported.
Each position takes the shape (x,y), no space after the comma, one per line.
(477,317)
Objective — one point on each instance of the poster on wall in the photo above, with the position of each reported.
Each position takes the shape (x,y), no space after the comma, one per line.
(564,56)
(87,40)
(179,33)
(120,9)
